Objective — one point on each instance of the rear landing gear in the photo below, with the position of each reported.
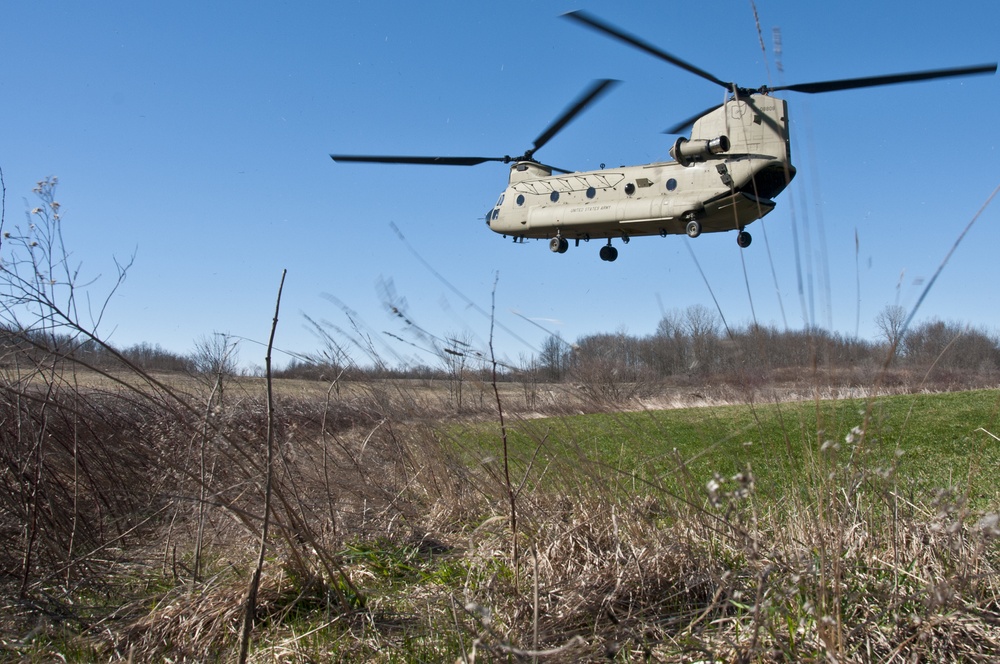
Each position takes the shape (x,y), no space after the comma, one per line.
(608,253)
(693,228)
(558,245)
(743,239)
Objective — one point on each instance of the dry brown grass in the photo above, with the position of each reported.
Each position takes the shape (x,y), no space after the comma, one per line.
(393,544)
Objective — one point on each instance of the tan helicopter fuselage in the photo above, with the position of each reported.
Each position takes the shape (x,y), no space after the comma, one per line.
(724,177)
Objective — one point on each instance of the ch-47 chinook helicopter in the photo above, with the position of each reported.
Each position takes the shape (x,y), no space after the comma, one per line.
(723,178)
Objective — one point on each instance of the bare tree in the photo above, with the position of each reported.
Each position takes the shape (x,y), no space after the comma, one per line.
(216,354)
(890,323)
(456,353)
(702,325)
(554,358)
(667,348)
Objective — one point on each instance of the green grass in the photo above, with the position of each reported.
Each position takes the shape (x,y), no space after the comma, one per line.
(926,442)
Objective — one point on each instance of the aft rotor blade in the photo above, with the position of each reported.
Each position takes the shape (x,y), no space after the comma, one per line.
(589,21)
(890,79)
(684,125)
(432,161)
(597,89)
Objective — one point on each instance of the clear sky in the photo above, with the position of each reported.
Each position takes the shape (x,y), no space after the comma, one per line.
(197,135)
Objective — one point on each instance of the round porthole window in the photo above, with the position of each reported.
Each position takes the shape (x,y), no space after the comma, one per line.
(520,199)
(554,196)
(591,192)
(630,189)
(671,184)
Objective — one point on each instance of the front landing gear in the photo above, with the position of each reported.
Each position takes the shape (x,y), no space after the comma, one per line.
(743,239)
(608,253)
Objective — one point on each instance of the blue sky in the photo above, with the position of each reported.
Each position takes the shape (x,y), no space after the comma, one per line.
(197,135)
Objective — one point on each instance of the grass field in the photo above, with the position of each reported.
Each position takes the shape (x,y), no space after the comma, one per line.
(928,441)
(842,530)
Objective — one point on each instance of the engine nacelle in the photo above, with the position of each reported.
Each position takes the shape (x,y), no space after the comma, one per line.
(688,152)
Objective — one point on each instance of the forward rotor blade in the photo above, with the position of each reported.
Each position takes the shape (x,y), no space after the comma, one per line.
(597,89)
(890,79)
(596,24)
(432,161)
(684,125)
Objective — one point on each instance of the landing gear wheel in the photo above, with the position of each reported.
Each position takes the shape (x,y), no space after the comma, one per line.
(608,253)
(743,239)
(693,228)
(558,245)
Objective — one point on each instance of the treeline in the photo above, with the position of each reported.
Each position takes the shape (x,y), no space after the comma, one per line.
(25,347)
(696,344)
(691,346)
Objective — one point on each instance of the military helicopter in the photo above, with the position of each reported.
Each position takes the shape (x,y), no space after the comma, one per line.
(722,178)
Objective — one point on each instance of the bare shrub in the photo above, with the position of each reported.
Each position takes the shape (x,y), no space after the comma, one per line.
(79,473)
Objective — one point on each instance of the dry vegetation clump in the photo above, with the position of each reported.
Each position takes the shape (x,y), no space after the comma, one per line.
(78,472)
(108,495)
(723,584)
